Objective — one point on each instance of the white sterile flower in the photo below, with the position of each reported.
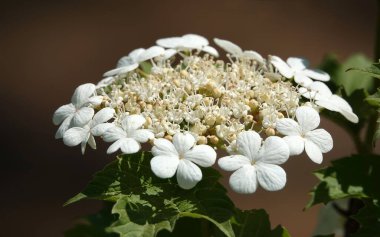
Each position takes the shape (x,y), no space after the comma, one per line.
(297,68)
(256,163)
(323,97)
(77,113)
(131,62)
(188,41)
(237,52)
(128,137)
(96,127)
(304,135)
(179,157)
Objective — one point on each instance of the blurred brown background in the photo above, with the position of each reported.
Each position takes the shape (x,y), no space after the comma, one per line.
(47,48)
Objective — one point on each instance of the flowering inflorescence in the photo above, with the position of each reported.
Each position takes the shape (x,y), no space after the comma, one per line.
(188,103)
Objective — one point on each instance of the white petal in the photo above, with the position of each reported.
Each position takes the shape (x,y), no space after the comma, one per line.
(163,147)
(321,138)
(234,162)
(115,146)
(302,80)
(307,93)
(253,55)
(150,53)
(64,126)
(91,142)
(271,177)
(114,133)
(316,90)
(298,64)
(84,142)
(105,82)
(95,100)
(183,142)
(82,93)
(244,180)
(193,41)
(129,146)
(287,126)
(171,42)
(62,113)
(210,50)
(274,151)
(121,70)
(282,67)
(100,129)
(350,116)
(308,118)
(103,116)
(74,136)
(164,166)
(202,155)
(132,122)
(338,104)
(317,74)
(322,89)
(313,151)
(229,47)
(169,53)
(125,61)
(141,135)
(188,174)
(296,144)
(248,144)
(82,117)
(134,54)
(196,38)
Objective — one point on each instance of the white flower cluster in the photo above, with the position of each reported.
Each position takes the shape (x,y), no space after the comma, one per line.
(187,104)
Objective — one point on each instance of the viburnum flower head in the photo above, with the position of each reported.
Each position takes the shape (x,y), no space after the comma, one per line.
(96,127)
(181,157)
(297,68)
(128,136)
(303,135)
(255,163)
(77,113)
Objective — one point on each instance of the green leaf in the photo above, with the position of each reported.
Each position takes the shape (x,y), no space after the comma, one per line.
(355,176)
(374,99)
(373,70)
(255,223)
(147,204)
(369,219)
(94,225)
(348,81)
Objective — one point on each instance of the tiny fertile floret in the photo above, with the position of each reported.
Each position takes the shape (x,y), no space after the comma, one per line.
(185,104)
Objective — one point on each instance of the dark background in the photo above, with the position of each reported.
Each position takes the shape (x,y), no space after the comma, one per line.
(48,48)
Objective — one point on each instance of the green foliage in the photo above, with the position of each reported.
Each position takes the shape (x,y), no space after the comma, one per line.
(374,99)
(355,176)
(94,225)
(255,223)
(145,205)
(372,70)
(369,219)
(349,82)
